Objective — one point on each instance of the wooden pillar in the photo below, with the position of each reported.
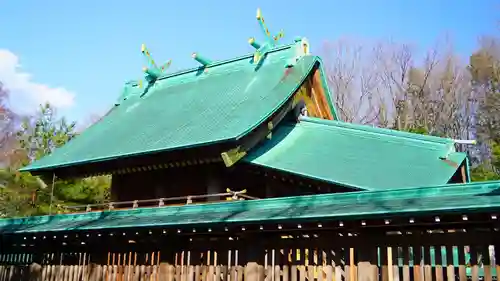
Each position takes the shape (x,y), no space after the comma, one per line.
(213,183)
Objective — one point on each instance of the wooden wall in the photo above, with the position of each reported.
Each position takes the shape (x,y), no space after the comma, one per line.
(195,180)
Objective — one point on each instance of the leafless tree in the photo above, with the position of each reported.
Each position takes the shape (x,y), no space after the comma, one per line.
(384,85)
(450,103)
(393,63)
(353,79)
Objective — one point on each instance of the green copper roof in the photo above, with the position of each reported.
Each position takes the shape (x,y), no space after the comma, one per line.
(473,197)
(358,156)
(188,109)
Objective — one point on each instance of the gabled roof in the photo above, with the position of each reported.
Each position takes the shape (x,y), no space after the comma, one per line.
(358,156)
(410,202)
(192,108)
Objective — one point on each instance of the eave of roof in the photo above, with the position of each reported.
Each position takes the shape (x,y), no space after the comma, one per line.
(229,100)
(357,156)
(448,199)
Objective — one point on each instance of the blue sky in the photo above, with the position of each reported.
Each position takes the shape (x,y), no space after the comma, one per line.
(90,48)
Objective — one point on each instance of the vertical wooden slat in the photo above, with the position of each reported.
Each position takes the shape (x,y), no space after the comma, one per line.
(78,268)
(487,262)
(126,273)
(137,270)
(204,271)
(390,269)
(261,273)
(8,270)
(106,272)
(286,269)
(53,272)
(190,274)
(11,273)
(462,273)
(384,264)
(218,271)
(310,269)
(61,274)
(473,261)
(302,273)
(149,269)
(224,273)
(269,273)
(427,264)
(439,262)
(70,272)
(48,273)
(211,272)
(395,263)
(171,273)
(240,271)
(44,272)
(162,272)
(406,263)
(129,267)
(142,270)
(293,272)
(197,273)
(496,250)
(94,272)
(119,266)
(251,272)
(86,270)
(339,273)
(178,272)
(5,271)
(329,273)
(114,274)
(154,273)
(353,274)
(450,263)
(277,273)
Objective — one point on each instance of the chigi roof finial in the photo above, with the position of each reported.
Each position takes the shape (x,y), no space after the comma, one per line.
(152,71)
(270,42)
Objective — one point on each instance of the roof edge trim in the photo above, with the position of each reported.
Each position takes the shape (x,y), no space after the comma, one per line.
(390,132)
(283,102)
(110,158)
(402,193)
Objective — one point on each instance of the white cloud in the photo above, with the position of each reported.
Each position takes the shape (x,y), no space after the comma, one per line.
(25,93)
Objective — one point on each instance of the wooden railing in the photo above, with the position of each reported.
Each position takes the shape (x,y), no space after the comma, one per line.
(160,202)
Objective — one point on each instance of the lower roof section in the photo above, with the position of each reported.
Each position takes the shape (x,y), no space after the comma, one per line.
(357,156)
(415,202)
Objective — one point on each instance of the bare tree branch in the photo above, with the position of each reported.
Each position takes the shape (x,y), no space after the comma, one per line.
(353,79)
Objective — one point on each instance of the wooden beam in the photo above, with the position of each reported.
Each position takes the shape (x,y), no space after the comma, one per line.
(320,94)
(463,172)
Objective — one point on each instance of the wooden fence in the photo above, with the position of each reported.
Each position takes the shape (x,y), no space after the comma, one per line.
(390,264)
(291,255)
